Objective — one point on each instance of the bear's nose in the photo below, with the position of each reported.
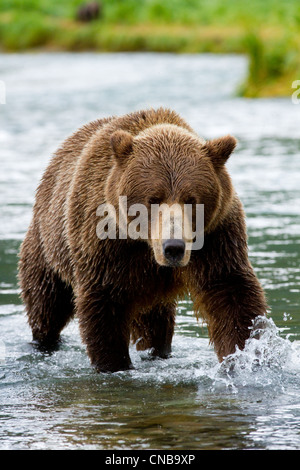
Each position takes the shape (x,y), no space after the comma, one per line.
(174,250)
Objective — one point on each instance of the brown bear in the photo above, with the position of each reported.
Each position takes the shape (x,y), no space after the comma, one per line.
(124,288)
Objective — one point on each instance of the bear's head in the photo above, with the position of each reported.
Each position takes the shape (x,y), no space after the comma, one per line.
(159,180)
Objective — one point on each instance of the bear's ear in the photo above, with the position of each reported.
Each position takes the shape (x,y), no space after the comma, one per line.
(121,143)
(219,150)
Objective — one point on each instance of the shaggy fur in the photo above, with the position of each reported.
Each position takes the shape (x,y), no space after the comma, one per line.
(117,288)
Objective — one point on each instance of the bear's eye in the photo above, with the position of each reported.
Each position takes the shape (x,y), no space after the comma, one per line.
(190,200)
(155,200)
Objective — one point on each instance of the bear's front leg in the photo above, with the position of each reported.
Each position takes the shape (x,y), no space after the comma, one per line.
(104,329)
(229,305)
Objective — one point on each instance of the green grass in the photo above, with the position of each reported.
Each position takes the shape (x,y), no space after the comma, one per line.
(268,31)
(274,65)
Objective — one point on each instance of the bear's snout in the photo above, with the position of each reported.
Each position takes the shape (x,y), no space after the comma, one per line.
(174,251)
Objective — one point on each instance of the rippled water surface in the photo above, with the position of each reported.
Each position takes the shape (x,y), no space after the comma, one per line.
(252,400)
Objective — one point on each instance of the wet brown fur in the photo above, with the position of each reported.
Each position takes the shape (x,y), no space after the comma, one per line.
(116,288)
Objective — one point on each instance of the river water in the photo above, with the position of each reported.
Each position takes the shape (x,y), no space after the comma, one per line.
(252,400)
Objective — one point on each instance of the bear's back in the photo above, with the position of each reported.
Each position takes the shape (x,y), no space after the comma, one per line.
(49,208)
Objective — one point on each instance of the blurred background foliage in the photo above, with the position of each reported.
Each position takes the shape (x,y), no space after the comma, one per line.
(268,31)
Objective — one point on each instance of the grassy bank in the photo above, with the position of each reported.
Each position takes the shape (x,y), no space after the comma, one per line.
(268,31)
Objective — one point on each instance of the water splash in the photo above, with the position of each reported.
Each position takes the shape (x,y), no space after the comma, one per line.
(268,361)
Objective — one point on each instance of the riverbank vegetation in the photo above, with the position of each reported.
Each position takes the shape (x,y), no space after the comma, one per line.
(267,31)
